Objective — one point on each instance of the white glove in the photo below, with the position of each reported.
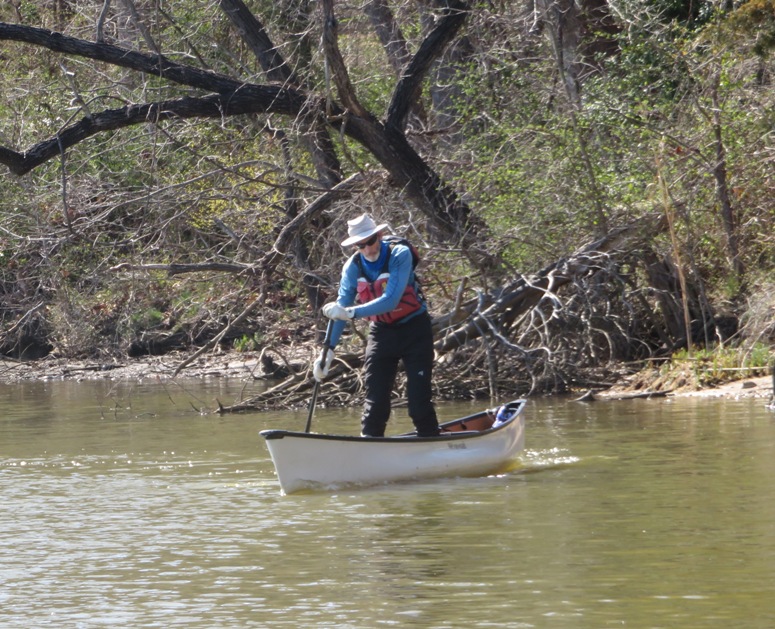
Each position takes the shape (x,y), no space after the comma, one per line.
(335,311)
(320,367)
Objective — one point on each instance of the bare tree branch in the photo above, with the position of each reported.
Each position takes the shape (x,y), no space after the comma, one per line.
(249,99)
(389,33)
(408,88)
(179,269)
(291,229)
(336,65)
(315,134)
(254,35)
(156,65)
(217,338)
(138,22)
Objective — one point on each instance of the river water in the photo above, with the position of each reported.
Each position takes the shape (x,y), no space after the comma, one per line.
(123,505)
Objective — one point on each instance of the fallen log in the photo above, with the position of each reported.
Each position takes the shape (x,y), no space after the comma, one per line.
(638,396)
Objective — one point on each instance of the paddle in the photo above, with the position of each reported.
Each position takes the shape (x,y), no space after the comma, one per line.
(326,343)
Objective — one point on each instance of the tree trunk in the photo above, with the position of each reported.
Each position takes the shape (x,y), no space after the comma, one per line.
(722,185)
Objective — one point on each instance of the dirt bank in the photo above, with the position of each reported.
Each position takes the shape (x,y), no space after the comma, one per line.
(231,365)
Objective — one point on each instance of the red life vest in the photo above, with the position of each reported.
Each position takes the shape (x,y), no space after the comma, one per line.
(412,299)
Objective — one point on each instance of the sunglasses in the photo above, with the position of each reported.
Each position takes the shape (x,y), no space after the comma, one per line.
(367,243)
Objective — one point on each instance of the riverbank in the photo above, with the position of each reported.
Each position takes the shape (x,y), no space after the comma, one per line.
(227,365)
(743,388)
(246,365)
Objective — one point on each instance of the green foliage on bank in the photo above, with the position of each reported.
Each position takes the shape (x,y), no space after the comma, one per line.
(715,365)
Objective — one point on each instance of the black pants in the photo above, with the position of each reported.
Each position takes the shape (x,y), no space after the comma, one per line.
(412,343)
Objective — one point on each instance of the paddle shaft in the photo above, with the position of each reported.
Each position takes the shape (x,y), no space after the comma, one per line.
(323,357)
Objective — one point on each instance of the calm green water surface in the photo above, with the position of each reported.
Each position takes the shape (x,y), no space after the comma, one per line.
(123,506)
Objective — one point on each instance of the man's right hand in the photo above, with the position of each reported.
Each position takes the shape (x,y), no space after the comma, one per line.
(335,311)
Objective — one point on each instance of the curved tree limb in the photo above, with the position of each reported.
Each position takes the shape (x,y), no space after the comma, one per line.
(407,90)
(292,228)
(156,65)
(248,99)
(394,43)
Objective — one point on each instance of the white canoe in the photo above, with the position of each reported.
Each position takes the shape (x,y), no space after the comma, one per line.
(476,445)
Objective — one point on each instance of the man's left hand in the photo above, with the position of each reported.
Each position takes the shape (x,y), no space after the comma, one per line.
(334,311)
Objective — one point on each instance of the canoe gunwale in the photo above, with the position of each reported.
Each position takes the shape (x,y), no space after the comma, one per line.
(408,437)
(461,434)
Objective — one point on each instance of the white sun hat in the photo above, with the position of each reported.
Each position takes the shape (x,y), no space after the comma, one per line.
(360,229)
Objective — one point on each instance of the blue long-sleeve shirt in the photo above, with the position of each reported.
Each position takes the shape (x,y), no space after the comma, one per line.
(401,275)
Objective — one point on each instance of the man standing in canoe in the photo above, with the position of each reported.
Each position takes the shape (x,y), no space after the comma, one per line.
(378,283)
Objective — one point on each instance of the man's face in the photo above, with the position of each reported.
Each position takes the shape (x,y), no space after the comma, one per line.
(370,247)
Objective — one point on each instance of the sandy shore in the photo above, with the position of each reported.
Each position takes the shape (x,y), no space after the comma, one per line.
(750,387)
(758,387)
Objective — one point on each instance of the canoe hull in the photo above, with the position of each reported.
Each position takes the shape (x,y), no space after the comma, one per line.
(312,461)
